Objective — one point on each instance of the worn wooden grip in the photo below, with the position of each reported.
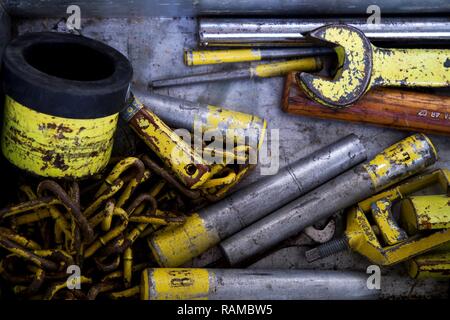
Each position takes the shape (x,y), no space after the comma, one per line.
(405,110)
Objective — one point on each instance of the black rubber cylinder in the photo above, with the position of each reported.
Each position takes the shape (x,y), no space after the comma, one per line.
(66,75)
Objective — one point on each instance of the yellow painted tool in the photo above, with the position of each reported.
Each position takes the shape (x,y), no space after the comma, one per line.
(203,57)
(425,223)
(363,66)
(272,69)
(247,284)
(435,264)
(188,166)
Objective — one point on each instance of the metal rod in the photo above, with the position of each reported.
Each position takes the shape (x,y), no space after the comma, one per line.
(247,284)
(395,163)
(272,32)
(265,70)
(203,230)
(179,113)
(202,57)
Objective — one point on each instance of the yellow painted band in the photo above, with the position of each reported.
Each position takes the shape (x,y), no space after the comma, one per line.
(56,147)
(176,245)
(403,154)
(425,213)
(202,57)
(237,123)
(179,284)
(432,265)
(281,68)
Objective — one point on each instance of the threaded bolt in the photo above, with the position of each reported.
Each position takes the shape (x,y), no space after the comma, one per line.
(327,249)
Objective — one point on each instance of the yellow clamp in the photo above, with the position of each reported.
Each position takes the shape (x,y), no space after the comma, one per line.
(418,213)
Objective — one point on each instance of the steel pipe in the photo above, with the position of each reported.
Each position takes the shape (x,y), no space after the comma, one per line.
(395,163)
(173,247)
(271,32)
(247,284)
(179,113)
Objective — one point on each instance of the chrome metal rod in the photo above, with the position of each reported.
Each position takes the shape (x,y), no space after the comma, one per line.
(222,219)
(270,32)
(254,284)
(387,168)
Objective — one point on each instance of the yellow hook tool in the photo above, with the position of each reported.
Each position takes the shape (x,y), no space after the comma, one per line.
(363,66)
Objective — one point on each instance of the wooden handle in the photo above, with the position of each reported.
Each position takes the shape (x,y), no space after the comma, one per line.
(405,110)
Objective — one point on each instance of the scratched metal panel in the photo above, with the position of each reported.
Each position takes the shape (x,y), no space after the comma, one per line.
(155,48)
(177,8)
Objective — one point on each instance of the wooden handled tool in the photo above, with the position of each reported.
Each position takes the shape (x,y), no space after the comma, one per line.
(405,110)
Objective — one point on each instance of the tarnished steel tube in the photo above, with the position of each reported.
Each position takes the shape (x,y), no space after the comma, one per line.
(273,32)
(172,247)
(246,284)
(202,57)
(399,161)
(179,113)
(188,166)
(265,70)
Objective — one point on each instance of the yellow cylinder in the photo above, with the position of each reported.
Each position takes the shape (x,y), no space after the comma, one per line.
(56,147)
(202,57)
(425,213)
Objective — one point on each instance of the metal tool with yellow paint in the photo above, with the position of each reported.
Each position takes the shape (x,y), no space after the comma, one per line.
(203,57)
(424,223)
(63,96)
(434,264)
(177,154)
(242,284)
(200,118)
(397,162)
(363,66)
(272,69)
(204,229)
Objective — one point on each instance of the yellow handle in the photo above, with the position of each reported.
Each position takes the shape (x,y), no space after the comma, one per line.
(411,67)
(281,68)
(202,57)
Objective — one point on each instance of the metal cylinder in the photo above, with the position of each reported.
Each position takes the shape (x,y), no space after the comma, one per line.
(394,164)
(179,113)
(173,247)
(273,32)
(246,284)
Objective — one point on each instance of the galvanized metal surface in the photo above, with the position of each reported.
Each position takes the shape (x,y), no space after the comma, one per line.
(155,47)
(285,31)
(179,8)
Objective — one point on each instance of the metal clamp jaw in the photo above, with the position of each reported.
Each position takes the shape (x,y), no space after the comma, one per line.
(418,214)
